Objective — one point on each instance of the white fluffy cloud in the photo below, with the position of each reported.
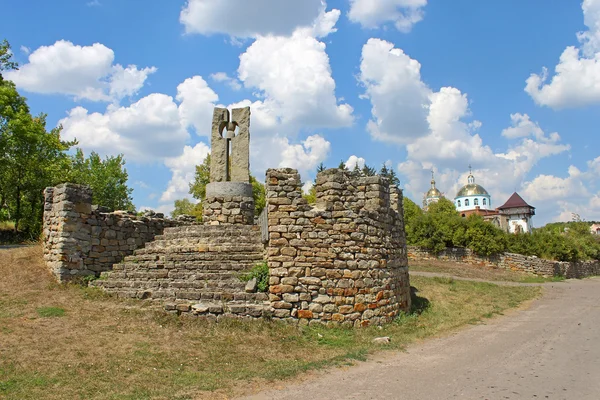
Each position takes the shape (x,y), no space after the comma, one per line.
(243,18)
(223,77)
(294,78)
(576,80)
(183,169)
(84,72)
(374,13)
(152,129)
(354,161)
(148,130)
(576,193)
(304,156)
(437,129)
(197,102)
(522,126)
(398,96)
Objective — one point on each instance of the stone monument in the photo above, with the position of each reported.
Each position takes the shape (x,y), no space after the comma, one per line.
(229,193)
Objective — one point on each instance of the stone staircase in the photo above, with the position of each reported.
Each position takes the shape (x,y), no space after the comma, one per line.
(194,269)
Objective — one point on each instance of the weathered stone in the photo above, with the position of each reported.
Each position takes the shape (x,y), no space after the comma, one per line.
(251,286)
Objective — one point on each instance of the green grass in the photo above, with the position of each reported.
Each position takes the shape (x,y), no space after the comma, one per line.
(464,270)
(104,348)
(541,279)
(50,312)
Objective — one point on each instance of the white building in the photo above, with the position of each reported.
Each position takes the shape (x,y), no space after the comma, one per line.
(433,195)
(517,214)
(472,197)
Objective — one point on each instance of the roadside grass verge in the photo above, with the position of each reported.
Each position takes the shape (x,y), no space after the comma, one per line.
(104,348)
(464,270)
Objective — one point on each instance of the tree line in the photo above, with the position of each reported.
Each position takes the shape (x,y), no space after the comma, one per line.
(442,226)
(33,157)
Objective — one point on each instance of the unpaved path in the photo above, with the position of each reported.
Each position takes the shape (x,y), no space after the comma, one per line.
(549,351)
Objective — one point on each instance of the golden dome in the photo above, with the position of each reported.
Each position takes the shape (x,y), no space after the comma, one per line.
(433,192)
(472,189)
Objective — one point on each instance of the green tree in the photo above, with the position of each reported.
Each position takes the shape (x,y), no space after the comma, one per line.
(259,195)
(31,157)
(201,179)
(483,237)
(390,175)
(6,62)
(412,214)
(368,171)
(320,168)
(186,207)
(449,223)
(107,178)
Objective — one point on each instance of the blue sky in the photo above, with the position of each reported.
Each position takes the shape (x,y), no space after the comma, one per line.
(416,84)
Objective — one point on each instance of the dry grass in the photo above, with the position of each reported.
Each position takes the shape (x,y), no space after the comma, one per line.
(464,270)
(7,225)
(69,342)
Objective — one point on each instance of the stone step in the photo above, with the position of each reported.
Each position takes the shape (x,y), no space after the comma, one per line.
(187,275)
(167,256)
(185,246)
(129,289)
(232,286)
(211,230)
(191,269)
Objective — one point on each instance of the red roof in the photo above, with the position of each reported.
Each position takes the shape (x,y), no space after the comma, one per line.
(514,201)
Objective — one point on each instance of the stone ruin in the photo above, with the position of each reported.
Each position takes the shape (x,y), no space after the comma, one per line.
(340,261)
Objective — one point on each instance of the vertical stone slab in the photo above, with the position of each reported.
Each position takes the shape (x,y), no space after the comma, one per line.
(218,157)
(240,146)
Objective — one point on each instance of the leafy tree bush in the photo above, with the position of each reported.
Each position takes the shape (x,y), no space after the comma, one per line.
(31,157)
(186,207)
(483,237)
(107,178)
(261,273)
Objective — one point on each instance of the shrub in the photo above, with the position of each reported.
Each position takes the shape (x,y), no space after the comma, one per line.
(261,273)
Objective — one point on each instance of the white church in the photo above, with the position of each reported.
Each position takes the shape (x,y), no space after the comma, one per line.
(514,216)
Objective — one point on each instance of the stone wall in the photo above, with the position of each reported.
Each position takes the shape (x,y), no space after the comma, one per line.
(224,210)
(511,261)
(342,261)
(81,239)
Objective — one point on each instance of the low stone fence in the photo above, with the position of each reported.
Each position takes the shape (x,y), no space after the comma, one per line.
(81,239)
(510,261)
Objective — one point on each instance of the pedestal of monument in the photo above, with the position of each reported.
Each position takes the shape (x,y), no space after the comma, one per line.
(228,203)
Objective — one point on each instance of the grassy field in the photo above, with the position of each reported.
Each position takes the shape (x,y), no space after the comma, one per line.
(477,272)
(70,342)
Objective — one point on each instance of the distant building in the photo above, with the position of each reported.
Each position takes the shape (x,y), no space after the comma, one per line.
(433,195)
(517,214)
(473,199)
(514,216)
(595,229)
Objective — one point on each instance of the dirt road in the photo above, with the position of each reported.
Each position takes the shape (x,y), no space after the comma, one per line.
(548,351)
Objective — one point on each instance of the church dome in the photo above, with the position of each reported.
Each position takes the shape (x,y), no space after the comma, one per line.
(472,189)
(433,192)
